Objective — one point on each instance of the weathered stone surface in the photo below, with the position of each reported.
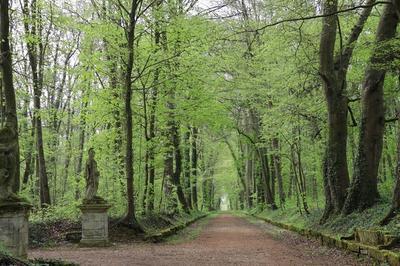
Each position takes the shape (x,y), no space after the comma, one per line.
(8,162)
(348,243)
(373,238)
(92,176)
(369,237)
(392,258)
(14,227)
(94,224)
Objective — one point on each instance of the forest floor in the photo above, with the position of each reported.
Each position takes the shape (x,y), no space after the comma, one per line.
(223,239)
(338,226)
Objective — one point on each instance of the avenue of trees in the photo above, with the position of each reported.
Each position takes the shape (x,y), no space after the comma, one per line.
(301,98)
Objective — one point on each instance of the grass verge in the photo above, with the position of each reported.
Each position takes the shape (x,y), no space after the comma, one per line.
(191,232)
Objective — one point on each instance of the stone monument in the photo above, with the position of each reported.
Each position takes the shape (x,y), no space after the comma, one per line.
(94,208)
(14,211)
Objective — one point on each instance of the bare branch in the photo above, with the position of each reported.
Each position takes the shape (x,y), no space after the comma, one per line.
(320,16)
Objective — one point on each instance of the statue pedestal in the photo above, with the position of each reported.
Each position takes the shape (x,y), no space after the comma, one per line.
(14,227)
(94,224)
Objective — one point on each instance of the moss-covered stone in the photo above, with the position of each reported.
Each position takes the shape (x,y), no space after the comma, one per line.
(392,258)
(348,243)
(14,227)
(94,225)
(369,237)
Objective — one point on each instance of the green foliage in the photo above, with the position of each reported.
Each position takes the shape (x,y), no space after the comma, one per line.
(3,250)
(233,82)
(55,213)
(338,226)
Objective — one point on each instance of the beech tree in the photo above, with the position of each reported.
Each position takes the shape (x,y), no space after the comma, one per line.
(36,53)
(130,32)
(264,105)
(333,71)
(363,191)
(9,119)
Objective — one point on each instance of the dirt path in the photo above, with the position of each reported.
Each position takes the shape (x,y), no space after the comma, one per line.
(225,240)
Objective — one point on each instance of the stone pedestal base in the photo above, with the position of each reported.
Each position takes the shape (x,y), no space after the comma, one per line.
(14,227)
(94,224)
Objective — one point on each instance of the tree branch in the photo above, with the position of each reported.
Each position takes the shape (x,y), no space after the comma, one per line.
(353,120)
(320,16)
(394,119)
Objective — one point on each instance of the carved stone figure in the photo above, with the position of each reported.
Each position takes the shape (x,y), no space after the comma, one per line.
(8,163)
(92,178)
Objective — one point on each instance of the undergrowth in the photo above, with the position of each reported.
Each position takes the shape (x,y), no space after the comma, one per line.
(50,229)
(339,225)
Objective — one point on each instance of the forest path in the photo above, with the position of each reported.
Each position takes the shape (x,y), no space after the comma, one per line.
(225,240)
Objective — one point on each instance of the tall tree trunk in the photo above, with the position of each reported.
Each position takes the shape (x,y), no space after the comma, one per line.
(130,218)
(249,175)
(333,71)
(152,135)
(153,108)
(119,158)
(146,179)
(173,126)
(7,88)
(44,183)
(394,210)
(187,169)
(29,159)
(278,170)
(173,156)
(178,169)
(363,191)
(291,177)
(30,146)
(238,164)
(170,202)
(265,172)
(391,168)
(194,167)
(81,145)
(272,174)
(262,155)
(147,155)
(260,186)
(36,63)
(302,179)
(68,151)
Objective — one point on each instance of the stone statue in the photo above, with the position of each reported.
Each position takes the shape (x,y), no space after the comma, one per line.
(92,179)
(8,163)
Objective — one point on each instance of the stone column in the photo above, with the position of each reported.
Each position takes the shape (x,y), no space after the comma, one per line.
(94,224)
(14,227)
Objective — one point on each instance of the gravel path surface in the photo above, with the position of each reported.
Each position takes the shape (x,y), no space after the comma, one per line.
(225,240)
